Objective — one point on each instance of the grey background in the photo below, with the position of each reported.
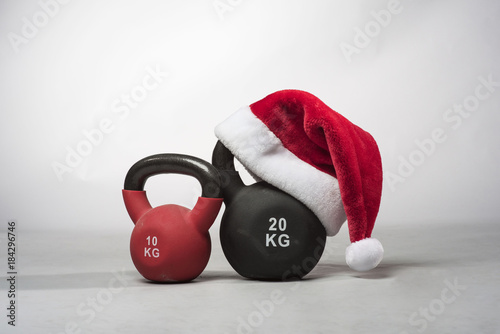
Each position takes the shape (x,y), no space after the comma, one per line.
(73,62)
(65,79)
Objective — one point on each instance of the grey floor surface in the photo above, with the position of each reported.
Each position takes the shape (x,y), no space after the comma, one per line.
(433,279)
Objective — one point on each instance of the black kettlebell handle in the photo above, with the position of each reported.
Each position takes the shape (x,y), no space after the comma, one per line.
(222,158)
(166,163)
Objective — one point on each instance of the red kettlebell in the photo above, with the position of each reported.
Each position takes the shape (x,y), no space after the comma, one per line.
(171,243)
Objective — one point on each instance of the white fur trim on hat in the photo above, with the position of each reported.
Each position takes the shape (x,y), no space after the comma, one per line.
(264,155)
(364,255)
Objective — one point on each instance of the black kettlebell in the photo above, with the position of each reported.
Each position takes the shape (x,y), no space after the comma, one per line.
(265,233)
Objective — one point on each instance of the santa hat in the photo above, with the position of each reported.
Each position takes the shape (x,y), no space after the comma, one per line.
(294,141)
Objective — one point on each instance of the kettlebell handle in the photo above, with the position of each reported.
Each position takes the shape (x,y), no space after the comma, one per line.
(165,163)
(222,158)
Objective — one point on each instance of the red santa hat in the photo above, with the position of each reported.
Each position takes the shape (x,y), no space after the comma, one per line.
(294,141)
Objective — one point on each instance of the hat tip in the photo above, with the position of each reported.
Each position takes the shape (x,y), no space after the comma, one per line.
(364,255)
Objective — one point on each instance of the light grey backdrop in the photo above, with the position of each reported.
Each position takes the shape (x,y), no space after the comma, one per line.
(90,87)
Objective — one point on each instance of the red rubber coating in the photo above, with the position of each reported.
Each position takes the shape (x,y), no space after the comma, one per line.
(171,243)
(137,203)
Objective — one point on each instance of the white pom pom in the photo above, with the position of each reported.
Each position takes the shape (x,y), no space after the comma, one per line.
(364,255)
